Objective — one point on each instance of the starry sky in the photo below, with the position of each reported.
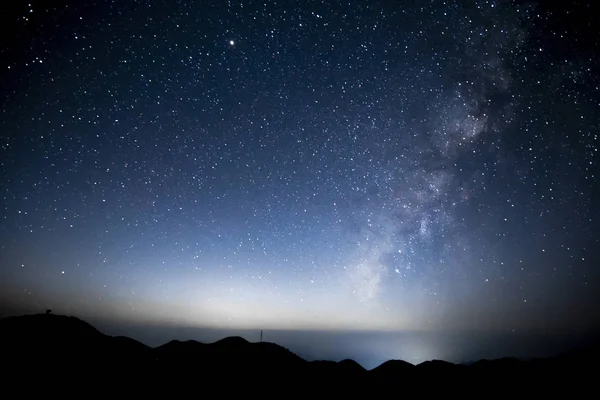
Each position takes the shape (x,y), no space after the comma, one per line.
(423,168)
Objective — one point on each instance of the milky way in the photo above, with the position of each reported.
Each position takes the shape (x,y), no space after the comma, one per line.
(419,170)
(255,165)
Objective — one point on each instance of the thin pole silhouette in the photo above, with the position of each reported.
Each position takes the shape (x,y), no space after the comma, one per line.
(261,336)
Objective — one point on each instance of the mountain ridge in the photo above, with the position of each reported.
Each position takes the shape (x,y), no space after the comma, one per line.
(50,340)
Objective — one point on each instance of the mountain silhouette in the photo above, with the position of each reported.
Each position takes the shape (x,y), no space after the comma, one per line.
(48,349)
(398,371)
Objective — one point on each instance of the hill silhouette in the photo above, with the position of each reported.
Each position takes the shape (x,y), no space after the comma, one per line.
(48,349)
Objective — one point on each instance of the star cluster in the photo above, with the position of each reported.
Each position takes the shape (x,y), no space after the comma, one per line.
(404,166)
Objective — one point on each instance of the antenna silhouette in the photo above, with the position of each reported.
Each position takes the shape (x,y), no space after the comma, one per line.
(261,335)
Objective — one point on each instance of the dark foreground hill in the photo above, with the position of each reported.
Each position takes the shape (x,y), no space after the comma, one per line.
(52,354)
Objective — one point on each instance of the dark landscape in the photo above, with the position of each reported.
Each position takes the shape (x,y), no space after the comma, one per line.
(305,189)
(45,353)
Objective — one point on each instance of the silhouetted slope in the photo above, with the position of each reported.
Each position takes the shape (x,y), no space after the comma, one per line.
(351,366)
(229,355)
(397,371)
(344,375)
(54,328)
(393,367)
(439,367)
(175,347)
(66,337)
(52,348)
(344,366)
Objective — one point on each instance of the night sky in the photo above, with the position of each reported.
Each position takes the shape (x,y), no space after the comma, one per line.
(420,169)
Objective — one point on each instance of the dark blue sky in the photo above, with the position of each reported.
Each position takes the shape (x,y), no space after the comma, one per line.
(412,168)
